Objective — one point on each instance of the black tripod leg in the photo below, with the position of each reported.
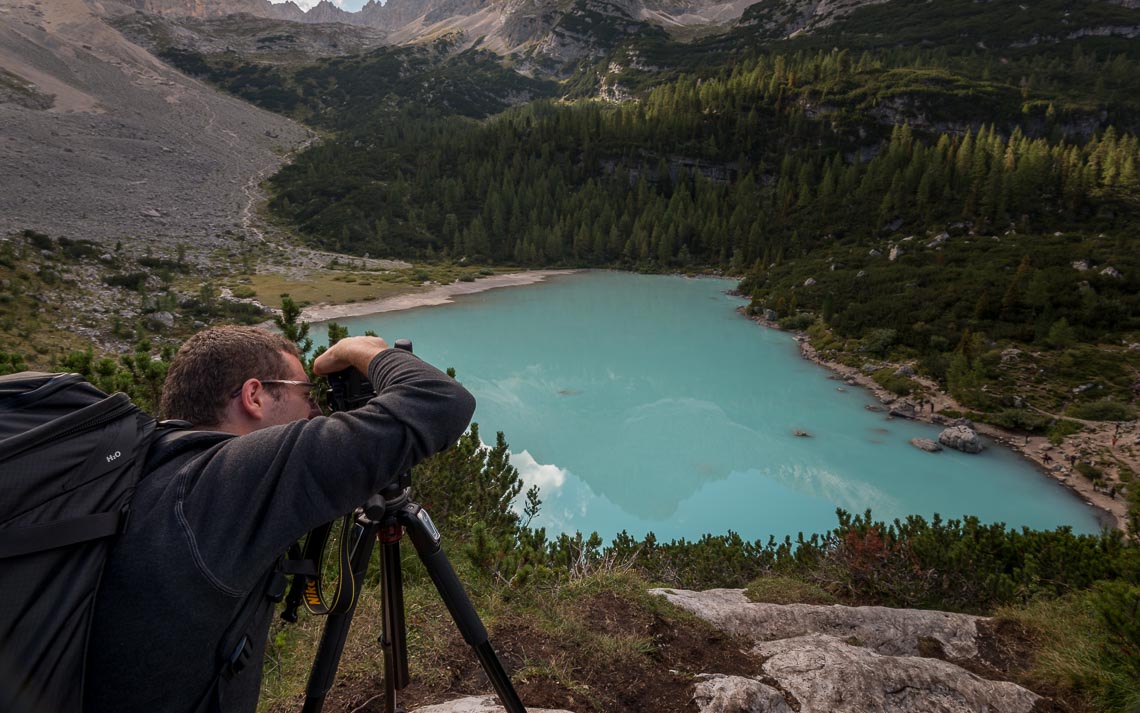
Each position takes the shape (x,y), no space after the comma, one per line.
(337,624)
(393,634)
(426,540)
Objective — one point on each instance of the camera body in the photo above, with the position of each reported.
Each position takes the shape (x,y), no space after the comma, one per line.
(349,389)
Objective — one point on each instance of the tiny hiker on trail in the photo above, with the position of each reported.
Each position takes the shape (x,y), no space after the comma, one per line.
(218,505)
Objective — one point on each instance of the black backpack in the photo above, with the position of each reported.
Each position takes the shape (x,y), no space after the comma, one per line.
(70,456)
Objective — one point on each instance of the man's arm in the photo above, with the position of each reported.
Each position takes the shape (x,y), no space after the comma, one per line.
(256,494)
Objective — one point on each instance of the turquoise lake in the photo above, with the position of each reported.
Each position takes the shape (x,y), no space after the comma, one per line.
(649,404)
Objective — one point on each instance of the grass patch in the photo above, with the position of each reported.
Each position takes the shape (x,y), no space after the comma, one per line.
(321,287)
(1076,652)
(787,590)
(332,286)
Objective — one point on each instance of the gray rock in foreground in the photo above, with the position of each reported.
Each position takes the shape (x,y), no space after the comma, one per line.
(837,659)
(961,438)
(893,632)
(718,693)
(828,675)
(477,704)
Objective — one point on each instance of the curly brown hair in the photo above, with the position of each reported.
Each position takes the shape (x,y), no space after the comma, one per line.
(214,362)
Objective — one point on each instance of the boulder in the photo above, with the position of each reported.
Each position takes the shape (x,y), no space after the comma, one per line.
(905,370)
(717,693)
(809,282)
(896,253)
(477,704)
(938,240)
(903,409)
(825,673)
(925,444)
(837,659)
(887,631)
(1112,272)
(961,438)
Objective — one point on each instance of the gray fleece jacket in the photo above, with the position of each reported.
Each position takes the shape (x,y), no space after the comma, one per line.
(210,520)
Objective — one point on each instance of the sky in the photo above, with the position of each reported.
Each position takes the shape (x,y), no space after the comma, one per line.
(349,5)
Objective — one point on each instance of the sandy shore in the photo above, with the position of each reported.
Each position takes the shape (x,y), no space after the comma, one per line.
(442,294)
(1100,444)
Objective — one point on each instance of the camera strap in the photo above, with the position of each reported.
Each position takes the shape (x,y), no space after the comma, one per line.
(307,570)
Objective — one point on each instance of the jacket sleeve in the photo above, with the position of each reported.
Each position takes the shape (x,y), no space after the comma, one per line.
(247,499)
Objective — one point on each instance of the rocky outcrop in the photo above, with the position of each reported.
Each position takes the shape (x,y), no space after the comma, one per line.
(826,674)
(961,438)
(477,704)
(717,693)
(837,659)
(891,632)
(925,444)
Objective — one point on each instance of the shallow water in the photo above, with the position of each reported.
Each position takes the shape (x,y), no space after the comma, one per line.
(647,403)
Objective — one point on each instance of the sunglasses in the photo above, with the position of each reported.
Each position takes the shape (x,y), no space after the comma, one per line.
(314,389)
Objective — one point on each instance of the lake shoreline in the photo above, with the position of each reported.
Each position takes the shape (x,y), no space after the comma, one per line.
(1111,511)
(438,295)
(1050,460)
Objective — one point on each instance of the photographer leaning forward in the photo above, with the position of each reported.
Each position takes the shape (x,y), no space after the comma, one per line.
(219,505)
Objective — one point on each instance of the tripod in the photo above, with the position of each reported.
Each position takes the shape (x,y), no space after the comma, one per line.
(385,517)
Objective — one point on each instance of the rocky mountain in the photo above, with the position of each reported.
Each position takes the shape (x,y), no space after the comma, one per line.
(502,24)
(103,141)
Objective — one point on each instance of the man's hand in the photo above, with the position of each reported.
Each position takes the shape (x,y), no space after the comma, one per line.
(350,351)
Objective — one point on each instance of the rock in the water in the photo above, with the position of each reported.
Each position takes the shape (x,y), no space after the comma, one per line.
(825,673)
(925,444)
(961,438)
(800,433)
(718,693)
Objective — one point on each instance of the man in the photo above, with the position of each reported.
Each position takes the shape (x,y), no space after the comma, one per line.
(219,506)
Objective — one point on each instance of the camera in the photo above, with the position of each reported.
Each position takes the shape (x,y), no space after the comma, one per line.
(349,389)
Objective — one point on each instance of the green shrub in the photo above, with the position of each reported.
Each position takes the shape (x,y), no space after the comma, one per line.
(1020,419)
(1061,429)
(1103,410)
(896,384)
(39,240)
(796,322)
(1090,471)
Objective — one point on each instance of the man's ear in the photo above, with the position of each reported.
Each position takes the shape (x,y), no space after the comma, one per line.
(252,400)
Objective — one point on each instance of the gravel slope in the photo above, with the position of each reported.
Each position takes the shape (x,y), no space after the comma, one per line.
(100,140)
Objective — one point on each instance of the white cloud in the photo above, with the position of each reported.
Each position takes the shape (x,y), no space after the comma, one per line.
(548,477)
